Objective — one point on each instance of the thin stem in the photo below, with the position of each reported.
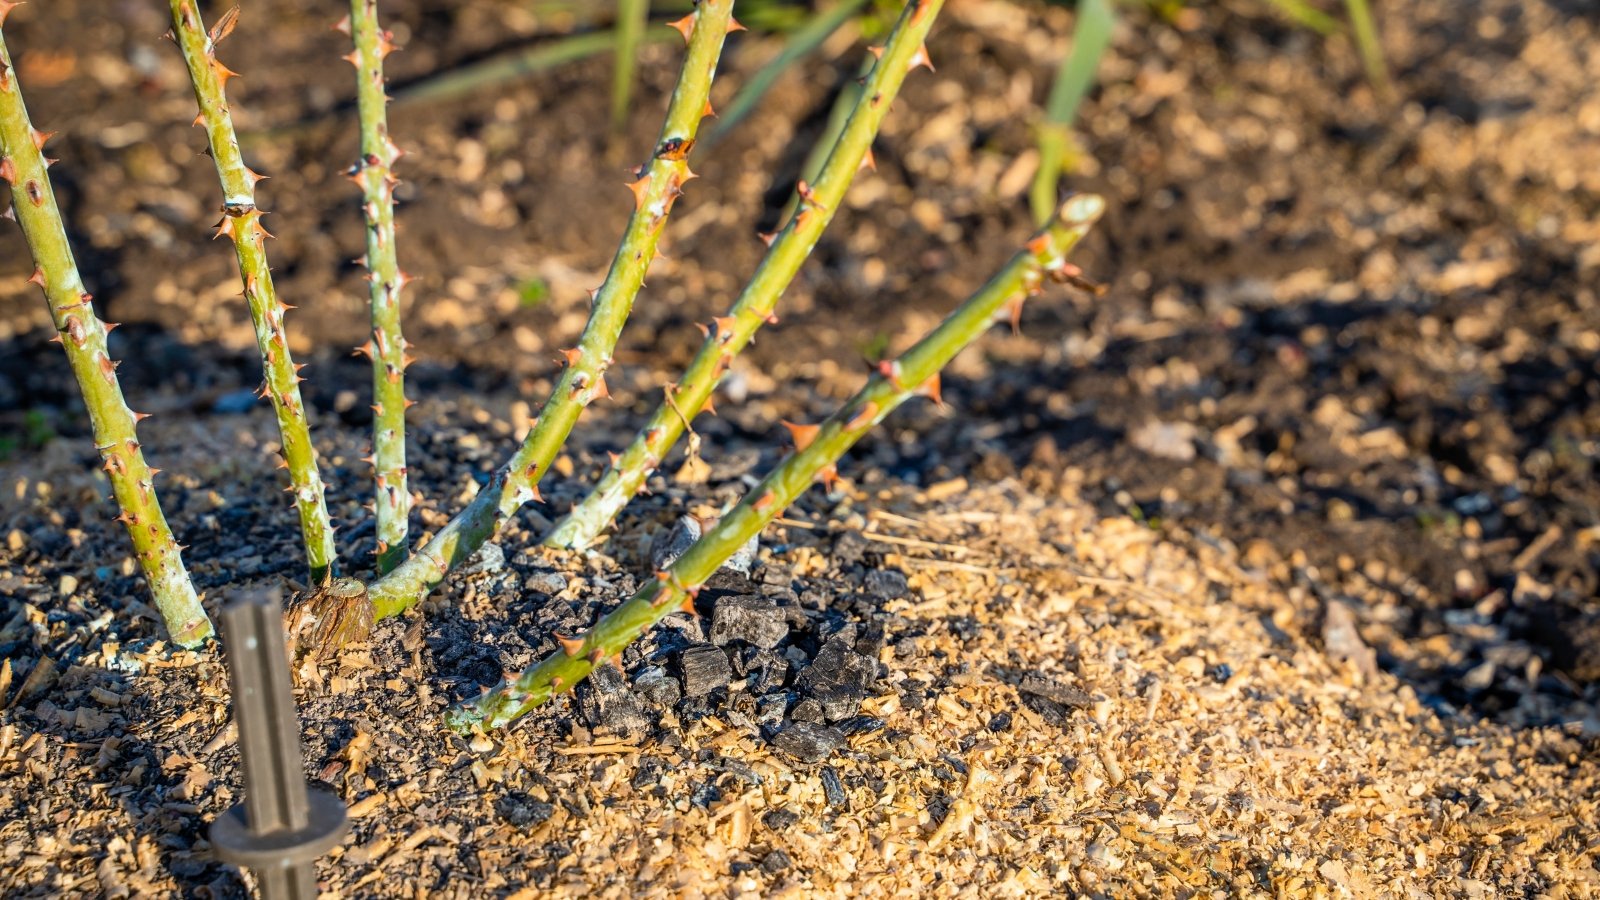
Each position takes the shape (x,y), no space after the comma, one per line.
(374,173)
(1365,30)
(631,18)
(83,336)
(1091,35)
(728,335)
(818,448)
(241,221)
(659,185)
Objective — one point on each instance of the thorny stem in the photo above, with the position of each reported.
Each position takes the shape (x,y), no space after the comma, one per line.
(83,335)
(374,173)
(728,335)
(818,448)
(659,185)
(241,221)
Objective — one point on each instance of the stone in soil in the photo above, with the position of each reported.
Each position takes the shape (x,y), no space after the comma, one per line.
(807,710)
(754,620)
(833,788)
(703,668)
(808,742)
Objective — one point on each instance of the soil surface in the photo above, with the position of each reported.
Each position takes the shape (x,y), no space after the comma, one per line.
(1274,570)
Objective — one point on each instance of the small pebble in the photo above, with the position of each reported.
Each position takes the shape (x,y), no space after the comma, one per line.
(833,789)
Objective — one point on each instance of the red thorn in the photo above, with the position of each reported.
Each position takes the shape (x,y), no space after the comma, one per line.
(557,683)
(1016,315)
(600,389)
(876,52)
(353,58)
(39,137)
(138,417)
(869,163)
(710,405)
(571,357)
(685,26)
(705,330)
(6,6)
(829,476)
(343,25)
(200,119)
(765,502)
(803,435)
(803,217)
(725,325)
(571,646)
(37,277)
(224,227)
(930,389)
(688,606)
(920,58)
(223,74)
(767,237)
(641,189)
(707,111)
(8,170)
(733,25)
(596,656)
(862,418)
(1039,245)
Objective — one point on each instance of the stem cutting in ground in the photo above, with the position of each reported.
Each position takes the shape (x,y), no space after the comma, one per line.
(374,174)
(241,222)
(817,451)
(83,336)
(727,335)
(658,185)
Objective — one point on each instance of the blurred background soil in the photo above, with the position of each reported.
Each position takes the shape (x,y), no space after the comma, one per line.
(1354,339)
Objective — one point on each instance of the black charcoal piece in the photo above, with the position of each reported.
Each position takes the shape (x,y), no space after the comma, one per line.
(775,862)
(807,710)
(767,670)
(838,665)
(838,701)
(754,620)
(1056,692)
(703,668)
(604,700)
(833,789)
(780,819)
(861,725)
(656,687)
(887,584)
(808,742)
(684,532)
(519,810)
(849,547)
(770,709)
(871,639)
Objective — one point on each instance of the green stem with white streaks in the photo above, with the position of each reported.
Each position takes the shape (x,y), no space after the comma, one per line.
(374,173)
(241,221)
(659,185)
(818,448)
(728,335)
(83,335)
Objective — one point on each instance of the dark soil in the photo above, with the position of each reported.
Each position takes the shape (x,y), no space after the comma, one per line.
(1352,345)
